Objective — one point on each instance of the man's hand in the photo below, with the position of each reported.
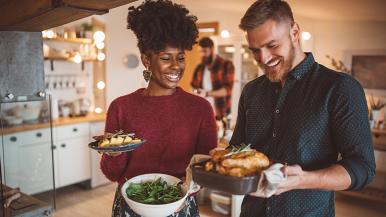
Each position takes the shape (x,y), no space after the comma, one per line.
(200,92)
(295,177)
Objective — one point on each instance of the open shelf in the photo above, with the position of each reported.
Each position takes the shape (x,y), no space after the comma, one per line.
(71,40)
(69,59)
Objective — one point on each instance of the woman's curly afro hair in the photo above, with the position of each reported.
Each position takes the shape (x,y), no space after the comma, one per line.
(162,23)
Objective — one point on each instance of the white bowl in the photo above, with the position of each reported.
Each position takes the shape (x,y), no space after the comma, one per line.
(150,210)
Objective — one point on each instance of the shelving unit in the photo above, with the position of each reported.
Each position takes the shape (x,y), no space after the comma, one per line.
(80,41)
(71,40)
(69,59)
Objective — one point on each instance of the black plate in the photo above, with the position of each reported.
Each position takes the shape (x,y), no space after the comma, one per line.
(121,148)
(230,184)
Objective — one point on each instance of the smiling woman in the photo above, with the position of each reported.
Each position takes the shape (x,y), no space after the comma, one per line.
(175,124)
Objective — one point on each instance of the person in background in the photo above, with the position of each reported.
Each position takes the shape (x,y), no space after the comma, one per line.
(213,78)
(168,118)
(303,114)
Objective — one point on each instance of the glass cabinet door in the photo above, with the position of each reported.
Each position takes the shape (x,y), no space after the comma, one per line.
(26,157)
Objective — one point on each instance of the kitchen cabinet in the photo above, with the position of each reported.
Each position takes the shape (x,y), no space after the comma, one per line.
(71,154)
(28,161)
(34,16)
(72,158)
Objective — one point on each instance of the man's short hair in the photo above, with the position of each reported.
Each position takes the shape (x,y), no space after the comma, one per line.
(263,10)
(206,42)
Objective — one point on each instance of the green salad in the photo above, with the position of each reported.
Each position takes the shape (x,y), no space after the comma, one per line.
(154,192)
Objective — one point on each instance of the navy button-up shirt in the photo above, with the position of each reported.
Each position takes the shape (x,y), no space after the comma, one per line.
(317,115)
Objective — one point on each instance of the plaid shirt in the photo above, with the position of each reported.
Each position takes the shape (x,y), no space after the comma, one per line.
(222,76)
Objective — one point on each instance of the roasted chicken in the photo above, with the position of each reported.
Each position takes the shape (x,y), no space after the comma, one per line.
(237,163)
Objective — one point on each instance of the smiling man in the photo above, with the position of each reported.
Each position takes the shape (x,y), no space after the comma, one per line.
(304,114)
(213,78)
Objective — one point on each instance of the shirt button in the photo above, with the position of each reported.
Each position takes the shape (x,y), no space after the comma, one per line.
(277,111)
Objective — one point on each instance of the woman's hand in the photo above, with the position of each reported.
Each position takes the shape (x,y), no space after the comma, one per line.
(113,153)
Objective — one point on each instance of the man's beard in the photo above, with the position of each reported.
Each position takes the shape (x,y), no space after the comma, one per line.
(285,67)
(207,60)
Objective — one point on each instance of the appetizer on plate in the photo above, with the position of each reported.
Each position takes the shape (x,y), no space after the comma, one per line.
(117,139)
(116,142)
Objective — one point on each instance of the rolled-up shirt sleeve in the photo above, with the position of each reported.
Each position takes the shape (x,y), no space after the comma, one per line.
(351,132)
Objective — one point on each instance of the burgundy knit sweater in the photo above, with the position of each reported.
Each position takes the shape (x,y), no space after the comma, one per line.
(175,128)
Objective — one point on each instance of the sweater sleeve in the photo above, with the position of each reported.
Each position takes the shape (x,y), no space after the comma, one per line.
(351,133)
(207,138)
(113,167)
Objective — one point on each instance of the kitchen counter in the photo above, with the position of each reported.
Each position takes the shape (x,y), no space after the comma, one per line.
(58,122)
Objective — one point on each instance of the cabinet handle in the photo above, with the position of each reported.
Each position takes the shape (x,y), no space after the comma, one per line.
(75,129)
(13,139)
(63,145)
(39,134)
(53,147)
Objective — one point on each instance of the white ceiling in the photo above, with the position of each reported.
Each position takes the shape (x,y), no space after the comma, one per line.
(343,10)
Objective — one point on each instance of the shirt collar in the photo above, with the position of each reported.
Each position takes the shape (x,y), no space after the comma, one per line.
(305,66)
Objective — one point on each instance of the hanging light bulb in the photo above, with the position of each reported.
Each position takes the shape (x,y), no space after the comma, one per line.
(100,45)
(99,36)
(77,58)
(98,110)
(306,36)
(101,85)
(101,56)
(225,34)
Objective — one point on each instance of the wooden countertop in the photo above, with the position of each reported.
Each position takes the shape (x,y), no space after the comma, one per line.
(59,122)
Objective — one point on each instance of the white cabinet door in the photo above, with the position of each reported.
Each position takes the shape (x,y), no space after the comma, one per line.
(97,177)
(35,168)
(74,160)
(10,164)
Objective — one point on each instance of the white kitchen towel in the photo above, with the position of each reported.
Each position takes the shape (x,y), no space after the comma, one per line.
(270,180)
(195,159)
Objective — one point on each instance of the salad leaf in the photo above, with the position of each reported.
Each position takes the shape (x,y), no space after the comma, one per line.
(154,192)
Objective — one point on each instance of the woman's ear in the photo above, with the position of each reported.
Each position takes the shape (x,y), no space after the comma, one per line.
(145,60)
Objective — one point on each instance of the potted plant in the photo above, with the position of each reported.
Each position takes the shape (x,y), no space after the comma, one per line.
(87,30)
(375,107)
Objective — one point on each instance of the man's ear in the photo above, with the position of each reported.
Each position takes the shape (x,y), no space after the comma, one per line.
(145,60)
(295,33)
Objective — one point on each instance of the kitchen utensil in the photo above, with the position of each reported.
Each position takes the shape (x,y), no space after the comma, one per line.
(150,210)
(121,148)
(229,184)
(27,113)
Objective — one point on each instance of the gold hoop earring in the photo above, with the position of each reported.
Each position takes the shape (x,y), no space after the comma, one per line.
(147,74)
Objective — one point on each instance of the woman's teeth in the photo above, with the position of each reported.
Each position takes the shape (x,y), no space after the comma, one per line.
(173,77)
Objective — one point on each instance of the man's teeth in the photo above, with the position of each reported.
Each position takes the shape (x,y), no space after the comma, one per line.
(274,63)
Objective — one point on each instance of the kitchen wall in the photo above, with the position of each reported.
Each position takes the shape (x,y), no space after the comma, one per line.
(120,42)
(328,37)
